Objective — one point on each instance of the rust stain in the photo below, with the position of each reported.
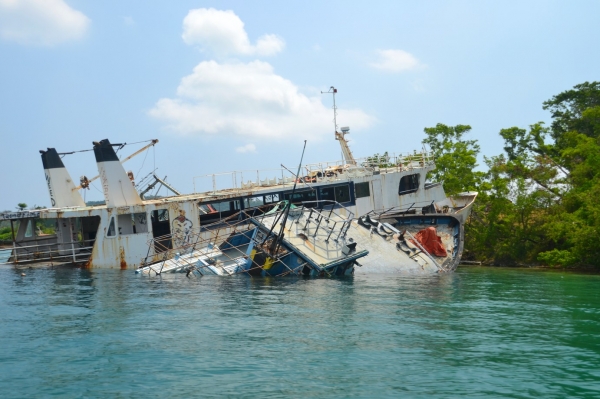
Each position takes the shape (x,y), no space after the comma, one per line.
(88,264)
(174,206)
(122,256)
(310,245)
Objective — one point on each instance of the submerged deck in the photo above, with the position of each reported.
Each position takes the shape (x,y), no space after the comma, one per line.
(303,240)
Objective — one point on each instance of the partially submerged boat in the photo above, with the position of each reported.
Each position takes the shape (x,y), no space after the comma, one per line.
(115,234)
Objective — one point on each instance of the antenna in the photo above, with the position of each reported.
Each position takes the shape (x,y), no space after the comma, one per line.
(340,136)
(333,90)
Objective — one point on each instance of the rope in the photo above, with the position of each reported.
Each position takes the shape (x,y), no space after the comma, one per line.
(143,162)
(120,146)
(97,188)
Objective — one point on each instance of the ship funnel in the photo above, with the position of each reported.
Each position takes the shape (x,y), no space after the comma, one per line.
(117,187)
(60,185)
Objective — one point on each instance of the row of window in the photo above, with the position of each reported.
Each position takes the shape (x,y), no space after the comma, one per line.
(214,211)
(218,210)
(408,184)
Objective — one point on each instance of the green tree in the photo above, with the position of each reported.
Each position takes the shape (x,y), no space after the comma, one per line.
(568,109)
(547,209)
(21,206)
(538,201)
(455,158)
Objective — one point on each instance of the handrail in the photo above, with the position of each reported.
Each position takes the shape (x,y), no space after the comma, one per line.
(266,177)
(54,243)
(341,224)
(52,253)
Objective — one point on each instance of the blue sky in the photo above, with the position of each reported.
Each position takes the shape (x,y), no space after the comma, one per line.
(234,85)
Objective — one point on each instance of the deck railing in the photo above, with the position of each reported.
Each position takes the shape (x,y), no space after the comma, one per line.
(74,251)
(205,239)
(319,172)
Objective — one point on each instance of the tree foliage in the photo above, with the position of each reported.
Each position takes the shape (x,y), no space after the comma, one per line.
(538,201)
(455,157)
(568,109)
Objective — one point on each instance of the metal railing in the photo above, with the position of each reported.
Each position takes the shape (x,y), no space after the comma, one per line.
(318,172)
(320,213)
(203,241)
(73,251)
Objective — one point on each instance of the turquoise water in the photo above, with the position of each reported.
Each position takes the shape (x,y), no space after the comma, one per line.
(480,332)
(5,255)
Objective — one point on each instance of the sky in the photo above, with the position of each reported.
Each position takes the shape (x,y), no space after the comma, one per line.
(237,85)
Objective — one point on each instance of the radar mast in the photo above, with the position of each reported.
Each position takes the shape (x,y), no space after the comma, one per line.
(340,136)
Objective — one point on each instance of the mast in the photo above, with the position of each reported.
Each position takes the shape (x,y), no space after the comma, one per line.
(60,185)
(340,136)
(117,186)
(85,182)
(286,210)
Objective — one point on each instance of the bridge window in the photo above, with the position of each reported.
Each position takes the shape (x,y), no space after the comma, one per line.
(215,211)
(362,190)
(271,198)
(253,202)
(302,196)
(409,184)
(132,223)
(342,193)
(259,200)
(335,193)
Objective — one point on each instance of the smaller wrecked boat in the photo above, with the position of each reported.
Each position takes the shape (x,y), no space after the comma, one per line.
(281,240)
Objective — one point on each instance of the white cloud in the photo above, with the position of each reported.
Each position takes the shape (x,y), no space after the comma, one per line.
(395,61)
(223,33)
(41,22)
(248,100)
(246,148)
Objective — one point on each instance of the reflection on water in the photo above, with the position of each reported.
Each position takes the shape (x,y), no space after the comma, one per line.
(478,332)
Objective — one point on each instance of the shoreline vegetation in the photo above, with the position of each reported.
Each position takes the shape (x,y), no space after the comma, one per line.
(538,201)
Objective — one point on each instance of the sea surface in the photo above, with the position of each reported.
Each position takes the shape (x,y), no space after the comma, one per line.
(477,333)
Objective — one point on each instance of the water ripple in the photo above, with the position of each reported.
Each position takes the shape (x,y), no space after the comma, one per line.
(476,333)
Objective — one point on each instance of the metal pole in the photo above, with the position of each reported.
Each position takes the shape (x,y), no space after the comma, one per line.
(318,224)
(301,213)
(341,230)
(298,178)
(308,219)
(12,229)
(332,228)
(287,208)
(348,228)
(330,212)
(72,242)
